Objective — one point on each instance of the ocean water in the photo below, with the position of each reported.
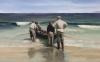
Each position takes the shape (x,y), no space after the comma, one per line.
(71,18)
(84,37)
(87,35)
(74,35)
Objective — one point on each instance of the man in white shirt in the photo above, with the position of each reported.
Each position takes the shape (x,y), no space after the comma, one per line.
(60,26)
(32,31)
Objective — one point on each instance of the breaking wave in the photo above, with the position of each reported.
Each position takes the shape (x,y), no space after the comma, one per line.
(89,26)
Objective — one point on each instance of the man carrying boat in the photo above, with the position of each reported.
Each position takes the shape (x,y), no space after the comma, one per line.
(32,30)
(60,25)
(50,32)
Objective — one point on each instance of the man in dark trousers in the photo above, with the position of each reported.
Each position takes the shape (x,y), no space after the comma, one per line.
(60,25)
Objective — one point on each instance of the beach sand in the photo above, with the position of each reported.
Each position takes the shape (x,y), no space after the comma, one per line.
(31,54)
(38,52)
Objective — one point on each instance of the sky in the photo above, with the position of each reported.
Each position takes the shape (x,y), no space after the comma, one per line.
(49,6)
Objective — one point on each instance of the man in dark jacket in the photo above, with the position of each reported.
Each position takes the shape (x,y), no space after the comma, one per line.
(50,32)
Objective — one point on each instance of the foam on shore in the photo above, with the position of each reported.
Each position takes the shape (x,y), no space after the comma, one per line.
(89,26)
(22,23)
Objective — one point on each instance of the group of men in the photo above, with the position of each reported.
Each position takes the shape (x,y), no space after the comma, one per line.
(54,29)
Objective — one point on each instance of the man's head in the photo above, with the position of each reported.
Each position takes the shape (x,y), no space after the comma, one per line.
(50,23)
(33,21)
(59,17)
(36,22)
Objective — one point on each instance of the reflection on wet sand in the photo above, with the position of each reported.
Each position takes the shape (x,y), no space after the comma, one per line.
(46,55)
(32,54)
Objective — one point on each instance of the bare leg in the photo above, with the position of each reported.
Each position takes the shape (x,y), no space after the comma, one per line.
(52,39)
(33,35)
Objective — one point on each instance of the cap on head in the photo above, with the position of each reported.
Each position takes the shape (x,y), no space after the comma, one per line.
(59,17)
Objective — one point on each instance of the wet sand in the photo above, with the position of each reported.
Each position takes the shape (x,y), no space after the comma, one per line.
(46,54)
(28,51)
(77,54)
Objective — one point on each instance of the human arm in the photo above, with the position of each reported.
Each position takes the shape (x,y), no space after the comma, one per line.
(65,25)
(47,29)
